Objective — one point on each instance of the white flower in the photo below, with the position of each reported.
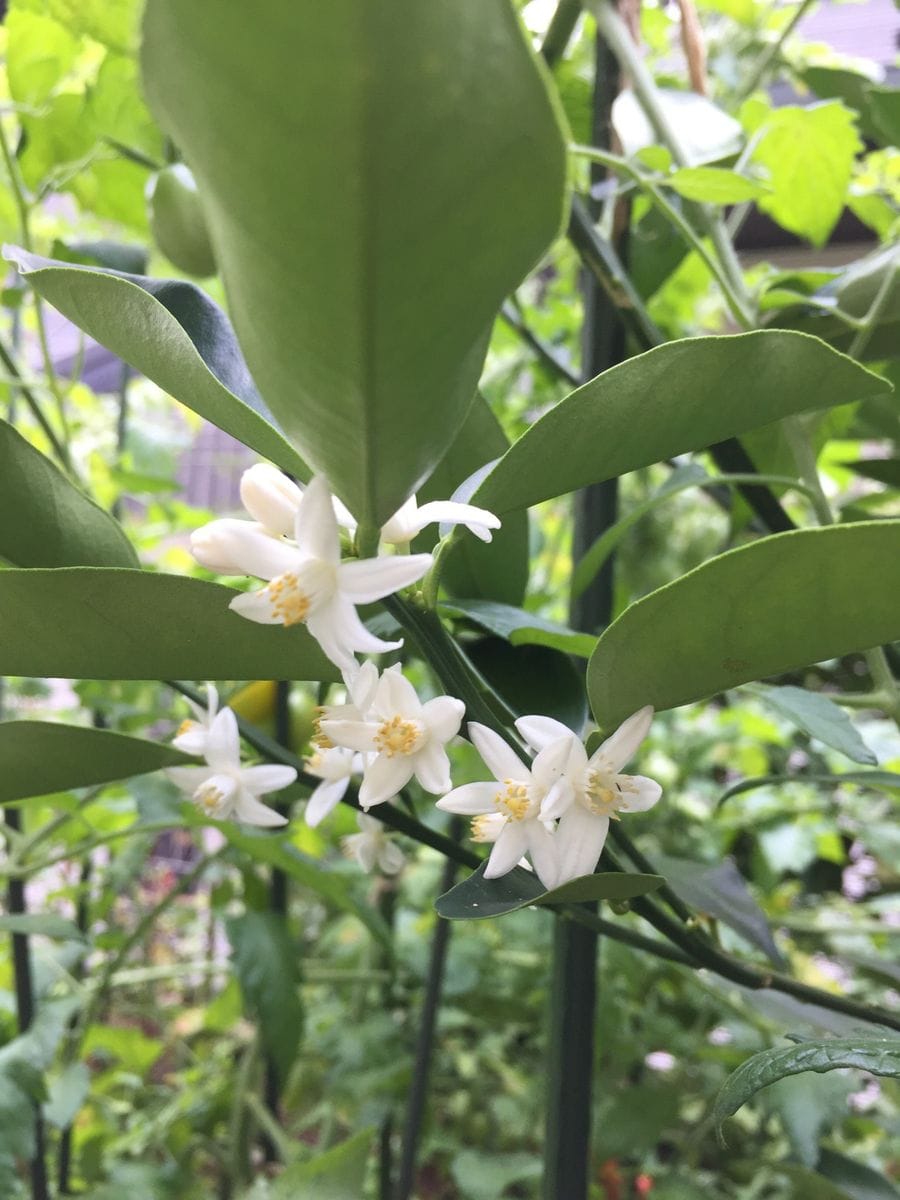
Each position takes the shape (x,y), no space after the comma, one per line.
(372,847)
(308,583)
(224,788)
(271,498)
(403,736)
(594,791)
(360,684)
(335,766)
(192,736)
(409,520)
(510,815)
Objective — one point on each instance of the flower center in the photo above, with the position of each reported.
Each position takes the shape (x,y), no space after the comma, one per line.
(398,735)
(513,801)
(602,794)
(186,727)
(209,797)
(289,603)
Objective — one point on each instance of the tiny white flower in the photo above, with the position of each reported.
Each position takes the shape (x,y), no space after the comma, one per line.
(192,736)
(596,792)
(509,815)
(402,738)
(372,847)
(224,788)
(335,766)
(307,582)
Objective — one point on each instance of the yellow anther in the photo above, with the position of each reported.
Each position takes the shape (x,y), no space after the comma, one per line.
(186,727)
(289,604)
(602,794)
(209,797)
(320,739)
(398,735)
(483,828)
(513,801)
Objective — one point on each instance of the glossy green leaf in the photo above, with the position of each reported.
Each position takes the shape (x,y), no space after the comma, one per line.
(477,898)
(44,924)
(170,331)
(521,628)
(714,185)
(682,396)
(104,623)
(338,1174)
(880,1056)
(808,154)
(497,570)
(533,679)
(821,718)
(358,239)
(49,522)
(266,962)
(41,757)
(884,470)
(778,604)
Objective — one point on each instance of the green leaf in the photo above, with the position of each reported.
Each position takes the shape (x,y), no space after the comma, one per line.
(338,1174)
(884,470)
(131,1048)
(498,570)
(884,106)
(880,1056)
(104,623)
(721,892)
(821,718)
(477,898)
(682,396)
(266,964)
(873,779)
(856,1180)
(807,1106)
(482,1175)
(41,757)
(809,154)
(170,331)
(45,924)
(49,522)
(781,603)
(521,628)
(66,1094)
(533,679)
(358,241)
(39,53)
(714,185)
(112,23)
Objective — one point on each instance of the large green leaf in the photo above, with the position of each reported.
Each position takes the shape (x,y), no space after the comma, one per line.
(773,606)
(880,1056)
(170,331)
(356,162)
(40,757)
(48,521)
(476,898)
(821,718)
(685,395)
(105,623)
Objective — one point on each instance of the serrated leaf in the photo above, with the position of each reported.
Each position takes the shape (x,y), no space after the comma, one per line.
(521,628)
(477,898)
(809,154)
(781,603)
(878,1056)
(714,185)
(49,522)
(170,331)
(42,757)
(44,924)
(821,718)
(363,269)
(266,964)
(681,396)
(104,623)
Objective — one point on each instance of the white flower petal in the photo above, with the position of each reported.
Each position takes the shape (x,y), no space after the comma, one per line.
(193,740)
(450,512)
(500,758)
(391,858)
(544,853)
(470,800)
(538,732)
(558,800)
(384,777)
(255,606)
(223,745)
(188,779)
(326,797)
(269,777)
(232,547)
(620,747)
(508,849)
(403,526)
(443,716)
(432,768)
(315,528)
(271,498)
(344,516)
(550,762)
(396,696)
(645,795)
(365,580)
(249,810)
(355,735)
(343,629)
(580,837)
(364,847)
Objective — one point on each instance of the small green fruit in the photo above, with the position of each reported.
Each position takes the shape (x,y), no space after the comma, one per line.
(177,221)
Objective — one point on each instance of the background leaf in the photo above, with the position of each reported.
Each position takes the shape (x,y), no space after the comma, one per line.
(521,628)
(104,623)
(45,924)
(41,757)
(780,603)
(821,718)
(714,185)
(49,522)
(477,898)
(362,267)
(682,396)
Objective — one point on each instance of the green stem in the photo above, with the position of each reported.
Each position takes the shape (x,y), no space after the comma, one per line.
(560,31)
(873,316)
(544,353)
(59,448)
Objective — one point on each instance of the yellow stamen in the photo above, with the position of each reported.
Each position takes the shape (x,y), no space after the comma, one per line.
(320,739)
(398,736)
(186,727)
(603,794)
(209,797)
(289,603)
(482,829)
(513,801)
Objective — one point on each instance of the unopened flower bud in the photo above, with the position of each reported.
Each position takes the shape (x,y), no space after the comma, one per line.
(271,498)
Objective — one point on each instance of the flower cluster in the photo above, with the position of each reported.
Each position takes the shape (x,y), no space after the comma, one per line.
(224,787)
